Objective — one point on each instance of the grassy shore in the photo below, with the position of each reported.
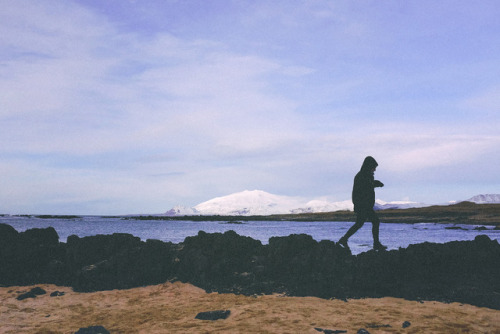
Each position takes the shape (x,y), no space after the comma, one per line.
(462,213)
(172,307)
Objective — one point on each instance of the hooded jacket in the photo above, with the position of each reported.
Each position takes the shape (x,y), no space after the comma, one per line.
(363,191)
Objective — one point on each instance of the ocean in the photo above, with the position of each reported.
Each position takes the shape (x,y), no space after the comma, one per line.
(392,235)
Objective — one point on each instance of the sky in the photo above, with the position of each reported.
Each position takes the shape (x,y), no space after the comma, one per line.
(122,107)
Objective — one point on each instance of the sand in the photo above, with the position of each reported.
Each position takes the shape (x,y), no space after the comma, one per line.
(172,307)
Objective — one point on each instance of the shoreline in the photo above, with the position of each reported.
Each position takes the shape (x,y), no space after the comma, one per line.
(297,265)
(172,307)
(466,213)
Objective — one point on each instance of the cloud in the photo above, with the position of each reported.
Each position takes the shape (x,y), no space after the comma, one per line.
(116,91)
(103,107)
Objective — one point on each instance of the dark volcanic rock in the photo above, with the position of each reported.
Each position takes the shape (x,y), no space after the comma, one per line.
(92,330)
(460,271)
(217,260)
(330,331)
(38,291)
(213,315)
(57,294)
(28,257)
(117,261)
(305,267)
(32,293)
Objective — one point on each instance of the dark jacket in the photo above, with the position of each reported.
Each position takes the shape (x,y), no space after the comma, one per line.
(363,191)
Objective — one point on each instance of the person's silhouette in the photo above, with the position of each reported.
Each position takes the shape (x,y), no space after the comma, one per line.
(363,198)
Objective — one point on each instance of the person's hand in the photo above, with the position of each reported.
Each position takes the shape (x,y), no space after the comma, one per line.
(377,183)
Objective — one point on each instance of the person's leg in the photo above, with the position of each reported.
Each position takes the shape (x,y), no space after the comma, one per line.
(375,227)
(376,231)
(360,221)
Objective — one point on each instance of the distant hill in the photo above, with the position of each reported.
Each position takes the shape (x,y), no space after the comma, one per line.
(485,199)
(261,203)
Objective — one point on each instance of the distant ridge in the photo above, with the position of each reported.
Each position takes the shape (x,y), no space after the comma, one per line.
(261,203)
(485,199)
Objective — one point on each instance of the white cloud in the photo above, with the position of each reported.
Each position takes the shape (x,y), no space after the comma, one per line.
(80,102)
(92,111)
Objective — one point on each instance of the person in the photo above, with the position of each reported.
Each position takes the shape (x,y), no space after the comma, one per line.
(363,198)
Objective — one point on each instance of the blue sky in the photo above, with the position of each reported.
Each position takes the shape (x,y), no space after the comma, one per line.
(117,107)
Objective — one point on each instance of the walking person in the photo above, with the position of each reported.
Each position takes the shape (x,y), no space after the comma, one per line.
(363,198)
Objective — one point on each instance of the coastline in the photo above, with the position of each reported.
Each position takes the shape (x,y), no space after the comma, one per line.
(172,307)
(295,265)
(466,213)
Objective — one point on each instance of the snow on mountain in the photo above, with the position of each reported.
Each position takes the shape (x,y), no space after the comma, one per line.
(324,206)
(382,205)
(180,210)
(485,199)
(261,203)
(249,203)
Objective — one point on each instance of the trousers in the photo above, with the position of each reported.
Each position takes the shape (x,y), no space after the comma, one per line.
(362,217)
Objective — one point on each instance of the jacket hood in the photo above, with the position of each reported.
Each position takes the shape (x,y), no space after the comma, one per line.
(369,163)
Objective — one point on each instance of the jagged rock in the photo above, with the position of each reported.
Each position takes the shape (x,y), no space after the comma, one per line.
(8,237)
(25,256)
(213,315)
(37,291)
(26,296)
(460,271)
(406,324)
(120,261)
(378,326)
(90,250)
(57,294)
(92,330)
(218,259)
(330,331)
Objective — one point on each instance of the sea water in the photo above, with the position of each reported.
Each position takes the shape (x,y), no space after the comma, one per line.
(391,234)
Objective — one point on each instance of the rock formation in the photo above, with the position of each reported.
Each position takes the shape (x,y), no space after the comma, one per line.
(297,265)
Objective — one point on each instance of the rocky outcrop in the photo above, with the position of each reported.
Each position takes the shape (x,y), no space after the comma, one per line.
(213,315)
(461,271)
(92,330)
(32,293)
(30,257)
(117,261)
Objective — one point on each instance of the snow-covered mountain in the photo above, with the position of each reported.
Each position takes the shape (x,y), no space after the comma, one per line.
(180,210)
(249,203)
(485,199)
(323,206)
(382,205)
(261,203)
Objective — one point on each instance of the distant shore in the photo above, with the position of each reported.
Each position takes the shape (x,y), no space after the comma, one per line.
(462,213)
(467,213)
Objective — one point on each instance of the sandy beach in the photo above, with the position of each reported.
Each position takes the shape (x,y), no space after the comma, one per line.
(172,307)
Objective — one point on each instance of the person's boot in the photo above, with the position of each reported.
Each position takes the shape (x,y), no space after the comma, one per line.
(343,242)
(378,246)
